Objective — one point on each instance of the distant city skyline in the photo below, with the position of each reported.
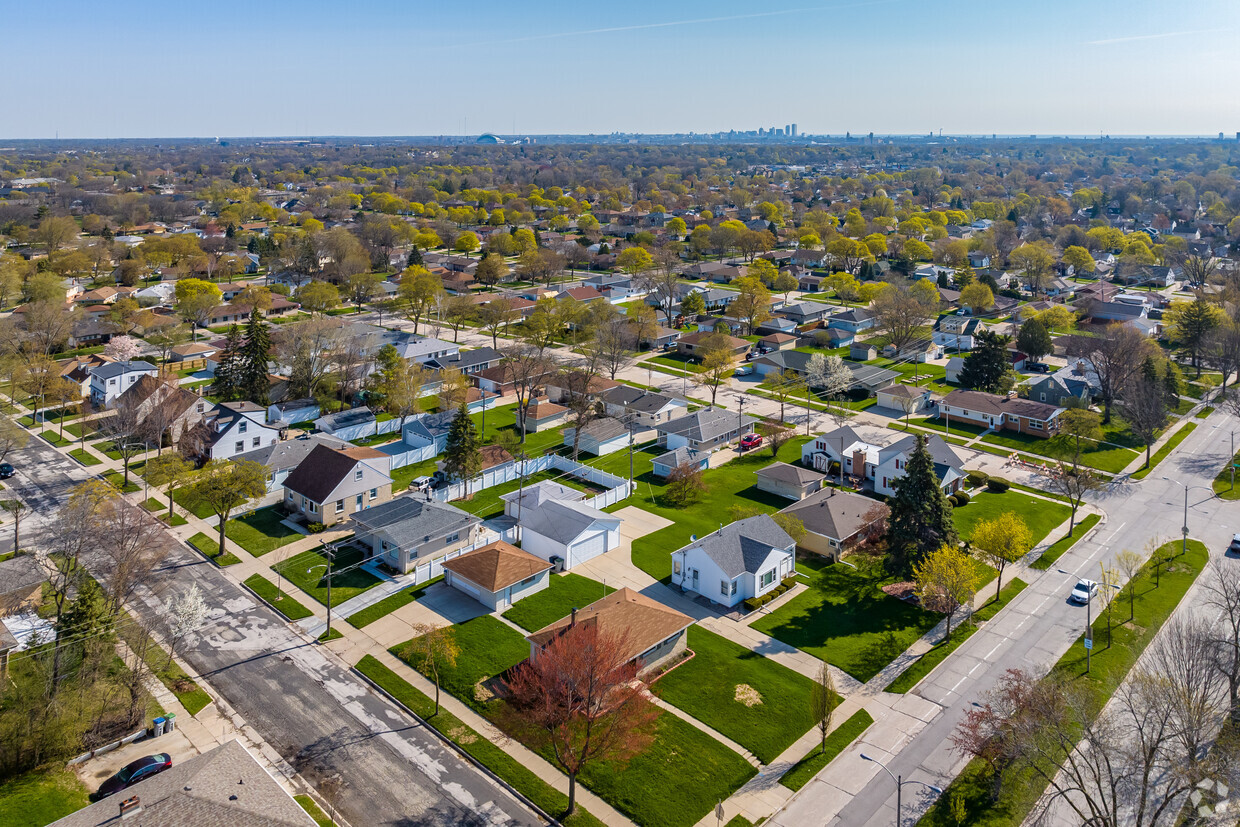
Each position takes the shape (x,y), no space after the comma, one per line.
(386,68)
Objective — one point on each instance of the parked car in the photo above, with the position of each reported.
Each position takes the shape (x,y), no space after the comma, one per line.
(6,470)
(133,772)
(751,441)
(1084,591)
(743,370)
(1038,367)
(1234,548)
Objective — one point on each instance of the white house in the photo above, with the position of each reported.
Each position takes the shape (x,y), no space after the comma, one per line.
(571,531)
(705,429)
(110,380)
(647,408)
(664,464)
(599,437)
(497,575)
(857,456)
(956,332)
(233,432)
(744,559)
(893,459)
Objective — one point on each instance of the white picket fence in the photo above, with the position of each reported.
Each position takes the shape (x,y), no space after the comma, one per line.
(617,488)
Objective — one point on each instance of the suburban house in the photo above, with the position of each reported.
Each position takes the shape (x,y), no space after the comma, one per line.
(21,585)
(1002,413)
(108,381)
(240,313)
(1117,311)
(778,341)
(956,332)
(406,532)
(190,351)
(705,429)
(497,575)
(467,361)
(230,431)
(541,414)
(560,390)
(172,409)
(600,437)
(846,448)
(893,459)
(790,481)
(835,520)
(1055,390)
(646,408)
(664,464)
(692,344)
(776,324)
(807,282)
(332,484)
(743,559)
(653,633)
(567,531)
(906,399)
(804,312)
(1147,274)
(854,321)
(281,458)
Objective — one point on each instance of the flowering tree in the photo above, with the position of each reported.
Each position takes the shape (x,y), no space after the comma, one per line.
(122,348)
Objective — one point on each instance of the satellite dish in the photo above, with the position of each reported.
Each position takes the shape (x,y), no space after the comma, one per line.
(692,538)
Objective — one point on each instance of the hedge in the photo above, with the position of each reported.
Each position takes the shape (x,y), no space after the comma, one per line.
(997,485)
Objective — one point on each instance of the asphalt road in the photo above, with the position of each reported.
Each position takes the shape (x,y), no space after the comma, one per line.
(1032,633)
(323,720)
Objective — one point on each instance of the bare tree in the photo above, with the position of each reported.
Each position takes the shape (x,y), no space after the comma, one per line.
(1145,407)
(527,367)
(131,542)
(124,428)
(582,401)
(1221,592)
(1116,353)
(823,701)
(616,342)
(903,312)
(307,349)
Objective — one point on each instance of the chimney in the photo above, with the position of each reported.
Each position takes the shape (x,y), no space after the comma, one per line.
(573,618)
(131,807)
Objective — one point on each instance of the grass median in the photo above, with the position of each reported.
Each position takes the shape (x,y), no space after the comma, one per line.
(276,598)
(211,550)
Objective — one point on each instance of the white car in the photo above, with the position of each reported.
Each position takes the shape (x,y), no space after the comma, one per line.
(743,370)
(1084,591)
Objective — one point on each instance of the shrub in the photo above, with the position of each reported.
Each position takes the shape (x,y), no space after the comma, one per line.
(951,498)
(752,603)
(316,528)
(978,478)
(962,498)
(790,580)
(997,485)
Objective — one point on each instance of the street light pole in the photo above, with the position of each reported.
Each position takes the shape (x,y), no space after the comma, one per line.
(900,782)
(1184,529)
(329,551)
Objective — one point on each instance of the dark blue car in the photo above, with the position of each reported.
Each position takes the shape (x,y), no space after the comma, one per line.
(134,772)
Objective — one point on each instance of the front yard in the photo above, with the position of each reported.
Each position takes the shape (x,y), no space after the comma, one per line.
(762,705)
(261,531)
(845,618)
(308,571)
(1042,516)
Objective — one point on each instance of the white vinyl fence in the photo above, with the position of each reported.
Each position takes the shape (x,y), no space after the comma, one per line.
(617,488)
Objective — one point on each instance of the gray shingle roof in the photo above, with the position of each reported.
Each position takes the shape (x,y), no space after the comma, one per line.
(680,456)
(283,456)
(114,369)
(562,521)
(835,514)
(706,424)
(409,522)
(744,545)
(783,472)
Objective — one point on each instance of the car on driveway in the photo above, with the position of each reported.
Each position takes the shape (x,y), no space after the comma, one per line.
(1083,591)
(751,441)
(743,370)
(6,470)
(134,772)
(1234,548)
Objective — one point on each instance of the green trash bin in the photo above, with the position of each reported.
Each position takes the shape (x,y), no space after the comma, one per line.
(170,722)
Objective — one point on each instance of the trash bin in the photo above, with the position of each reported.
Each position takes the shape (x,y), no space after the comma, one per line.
(159,726)
(170,722)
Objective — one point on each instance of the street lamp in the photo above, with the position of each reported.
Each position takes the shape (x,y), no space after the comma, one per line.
(1184,530)
(329,552)
(900,782)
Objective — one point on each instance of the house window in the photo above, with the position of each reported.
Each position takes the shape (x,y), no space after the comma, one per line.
(1035,425)
(339,506)
(240,446)
(243,426)
(453,538)
(314,508)
(676,567)
(768,577)
(374,493)
(258,440)
(725,588)
(202,406)
(357,475)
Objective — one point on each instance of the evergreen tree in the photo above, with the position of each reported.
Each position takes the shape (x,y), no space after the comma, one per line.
(461,459)
(921,517)
(986,367)
(1171,380)
(228,371)
(252,380)
(1034,339)
(415,257)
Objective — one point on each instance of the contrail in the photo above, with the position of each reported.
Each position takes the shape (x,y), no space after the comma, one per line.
(1112,40)
(671,23)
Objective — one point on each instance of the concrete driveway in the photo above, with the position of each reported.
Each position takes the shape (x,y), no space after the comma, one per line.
(94,771)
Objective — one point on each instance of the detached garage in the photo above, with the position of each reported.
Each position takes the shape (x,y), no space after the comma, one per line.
(572,531)
(497,575)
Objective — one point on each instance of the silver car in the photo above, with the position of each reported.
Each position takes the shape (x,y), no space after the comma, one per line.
(1084,591)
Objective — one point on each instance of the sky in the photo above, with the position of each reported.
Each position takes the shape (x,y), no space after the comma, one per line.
(386,67)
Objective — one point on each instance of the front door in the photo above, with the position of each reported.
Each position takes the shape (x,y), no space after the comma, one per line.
(694,573)
(357,504)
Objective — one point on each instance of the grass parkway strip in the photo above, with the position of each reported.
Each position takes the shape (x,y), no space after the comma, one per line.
(837,741)
(1060,546)
(1168,446)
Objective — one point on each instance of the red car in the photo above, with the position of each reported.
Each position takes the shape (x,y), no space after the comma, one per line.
(751,441)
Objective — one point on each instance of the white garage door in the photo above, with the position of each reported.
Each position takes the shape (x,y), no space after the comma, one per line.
(591,546)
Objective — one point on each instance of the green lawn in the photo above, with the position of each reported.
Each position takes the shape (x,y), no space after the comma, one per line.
(676,362)
(1222,483)
(488,647)
(1110,664)
(56,439)
(209,547)
(313,810)
(486,504)
(1060,546)
(1040,515)
(308,572)
(837,741)
(486,753)
(1102,456)
(278,599)
(1168,446)
(40,797)
(117,478)
(925,664)
(160,509)
(718,685)
(261,531)
(564,593)
(402,476)
(845,618)
(731,484)
(181,497)
(387,605)
(1204,412)
(85,457)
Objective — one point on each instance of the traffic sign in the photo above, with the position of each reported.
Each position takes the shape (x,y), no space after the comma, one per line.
(1089,643)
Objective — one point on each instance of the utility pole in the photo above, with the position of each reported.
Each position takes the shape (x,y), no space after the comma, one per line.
(520,486)
(807,409)
(740,419)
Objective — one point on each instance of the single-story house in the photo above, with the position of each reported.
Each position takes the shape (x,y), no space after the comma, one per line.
(190,351)
(1002,413)
(646,408)
(834,520)
(664,464)
(467,361)
(332,484)
(790,481)
(744,559)
(691,345)
(573,532)
(600,437)
(653,633)
(705,429)
(541,414)
(497,575)
(777,324)
(805,312)
(406,532)
(778,341)
(904,398)
(853,320)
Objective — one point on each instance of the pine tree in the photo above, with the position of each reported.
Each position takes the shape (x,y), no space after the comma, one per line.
(461,459)
(986,367)
(227,372)
(921,518)
(252,381)
(415,257)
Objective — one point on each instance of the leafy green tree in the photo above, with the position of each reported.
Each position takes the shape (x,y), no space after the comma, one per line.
(1034,339)
(1079,259)
(977,297)
(223,486)
(167,471)
(461,459)
(921,517)
(946,580)
(693,304)
(317,297)
(1190,324)
(986,367)
(466,243)
(195,299)
(1001,541)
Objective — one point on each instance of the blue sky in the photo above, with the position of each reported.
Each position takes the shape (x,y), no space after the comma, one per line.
(273,67)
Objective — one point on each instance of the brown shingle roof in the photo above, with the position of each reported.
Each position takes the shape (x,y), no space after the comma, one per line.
(996,405)
(496,566)
(642,621)
(324,468)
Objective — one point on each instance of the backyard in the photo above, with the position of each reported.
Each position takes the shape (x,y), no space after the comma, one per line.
(845,618)
(564,593)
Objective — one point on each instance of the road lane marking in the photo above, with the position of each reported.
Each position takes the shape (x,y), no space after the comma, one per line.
(991,652)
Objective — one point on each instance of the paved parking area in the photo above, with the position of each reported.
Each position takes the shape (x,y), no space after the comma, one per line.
(95,771)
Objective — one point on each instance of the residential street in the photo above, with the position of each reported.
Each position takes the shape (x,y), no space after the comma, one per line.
(323,720)
(1031,633)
